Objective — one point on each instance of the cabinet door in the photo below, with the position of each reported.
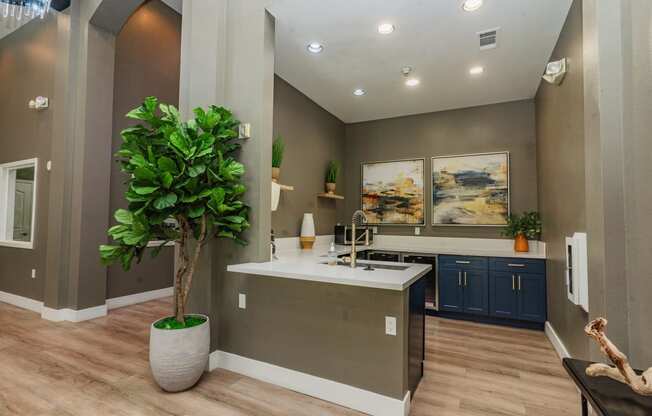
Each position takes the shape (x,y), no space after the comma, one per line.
(531,297)
(503,295)
(450,290)
(476,292)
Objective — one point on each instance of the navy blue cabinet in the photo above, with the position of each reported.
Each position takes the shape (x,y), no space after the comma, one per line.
(450,290)
(498,288)
(463,284)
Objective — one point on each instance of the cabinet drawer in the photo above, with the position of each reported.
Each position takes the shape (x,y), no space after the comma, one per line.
(514,265)
(463,262)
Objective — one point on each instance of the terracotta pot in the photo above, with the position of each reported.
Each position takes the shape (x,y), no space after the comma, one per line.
(178,357)
(521,244)
(330,187)
(276,173)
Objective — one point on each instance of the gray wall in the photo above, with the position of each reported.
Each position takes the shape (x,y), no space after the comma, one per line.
(312,136)
(560,163)
(498,127)
(27,61)
(147,62)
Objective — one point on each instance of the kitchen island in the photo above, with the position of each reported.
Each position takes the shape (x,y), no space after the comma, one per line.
(354,337)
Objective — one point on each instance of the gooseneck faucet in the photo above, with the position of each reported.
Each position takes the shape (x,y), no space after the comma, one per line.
(358,219)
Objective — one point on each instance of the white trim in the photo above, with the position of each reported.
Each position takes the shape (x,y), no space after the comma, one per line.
(6,189)
(21,302)
(71,315)
(328,390)
(556,342)
(122,301)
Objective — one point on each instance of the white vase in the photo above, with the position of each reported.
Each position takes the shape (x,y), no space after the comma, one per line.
(178,357)
(308,225)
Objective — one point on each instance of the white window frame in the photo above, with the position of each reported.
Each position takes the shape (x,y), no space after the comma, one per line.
(7,191)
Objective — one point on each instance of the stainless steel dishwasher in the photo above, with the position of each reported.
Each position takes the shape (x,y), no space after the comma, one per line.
(431,278)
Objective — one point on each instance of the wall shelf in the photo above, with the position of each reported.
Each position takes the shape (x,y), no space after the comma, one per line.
(286,187)
(330,196)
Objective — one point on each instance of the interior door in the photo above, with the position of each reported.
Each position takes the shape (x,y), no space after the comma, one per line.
(450,290)
(23,200)
(476,292)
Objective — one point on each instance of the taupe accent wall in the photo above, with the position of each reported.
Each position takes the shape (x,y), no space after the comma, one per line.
(27,62)
(561,165)
(147,62)
(491,128)
(313,137)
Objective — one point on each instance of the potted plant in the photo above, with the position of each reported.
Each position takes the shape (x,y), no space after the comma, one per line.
(522,228)
(183,186)
(331,176)
(278,148)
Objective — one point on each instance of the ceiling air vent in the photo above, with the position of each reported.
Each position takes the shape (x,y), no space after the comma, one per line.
(488,39)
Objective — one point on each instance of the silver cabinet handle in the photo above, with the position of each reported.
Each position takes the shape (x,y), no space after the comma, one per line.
(459,279)
(519,282)
(513,282)
(516,265)
(462,262)
(465,283)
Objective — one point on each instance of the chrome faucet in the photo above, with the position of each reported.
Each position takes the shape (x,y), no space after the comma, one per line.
(358,219)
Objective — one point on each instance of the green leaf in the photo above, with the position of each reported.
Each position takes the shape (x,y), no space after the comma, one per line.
(196,170)
(179,142)
(145,190)
(167,179)
(234,219)
(108,252)
(167,165)
(124,217)
(144,174)
(196,211)
(138,160)
(217,195)
(165,201)
(232,170)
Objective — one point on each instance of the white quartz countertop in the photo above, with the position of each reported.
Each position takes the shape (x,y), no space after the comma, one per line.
(310,265)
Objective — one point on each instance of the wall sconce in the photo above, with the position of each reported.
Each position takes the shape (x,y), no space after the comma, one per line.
(555,72)
(39,103)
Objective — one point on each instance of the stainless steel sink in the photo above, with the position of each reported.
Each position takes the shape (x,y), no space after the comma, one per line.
(372,266)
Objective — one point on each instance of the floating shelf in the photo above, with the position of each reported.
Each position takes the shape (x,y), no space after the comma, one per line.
(330,196)
(286,187)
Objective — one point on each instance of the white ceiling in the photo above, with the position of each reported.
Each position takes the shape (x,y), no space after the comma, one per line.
(436,37)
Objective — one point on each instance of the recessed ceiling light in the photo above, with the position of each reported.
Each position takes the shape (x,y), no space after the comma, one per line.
(476,70)
(315,47)
(385,28)
(471,5)
(412,82)
(359,92)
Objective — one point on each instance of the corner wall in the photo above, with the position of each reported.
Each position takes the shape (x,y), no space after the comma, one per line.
(147,62)
(560,165)
(27,61)
(312,137)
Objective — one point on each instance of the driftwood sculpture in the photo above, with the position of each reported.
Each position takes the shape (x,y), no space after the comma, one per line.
(623,372)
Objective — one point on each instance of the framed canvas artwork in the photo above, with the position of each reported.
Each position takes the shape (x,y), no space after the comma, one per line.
(471,190)
(393,192)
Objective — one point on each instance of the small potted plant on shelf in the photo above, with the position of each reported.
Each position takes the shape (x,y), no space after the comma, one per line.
(331,176)
(522,228)
(278,148)
(183,186)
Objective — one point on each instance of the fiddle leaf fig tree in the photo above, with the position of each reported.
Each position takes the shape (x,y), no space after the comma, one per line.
(184,185)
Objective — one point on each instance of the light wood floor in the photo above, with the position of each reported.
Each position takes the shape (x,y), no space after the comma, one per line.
(100,368)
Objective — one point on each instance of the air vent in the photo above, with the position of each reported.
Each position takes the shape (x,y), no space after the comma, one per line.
(488,39)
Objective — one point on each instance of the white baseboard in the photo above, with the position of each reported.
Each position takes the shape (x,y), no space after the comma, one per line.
(556,342)
(328,390)
(123,301)
(71,315)
(21,302)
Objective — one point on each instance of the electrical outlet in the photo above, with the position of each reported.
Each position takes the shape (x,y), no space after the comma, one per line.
(390,325)
(417,231)
(33,273)
(242,301)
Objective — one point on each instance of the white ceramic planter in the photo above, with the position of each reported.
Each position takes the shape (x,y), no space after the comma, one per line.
(178,357)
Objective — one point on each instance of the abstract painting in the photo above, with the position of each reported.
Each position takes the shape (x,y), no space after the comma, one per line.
(393,192)
(471,189)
